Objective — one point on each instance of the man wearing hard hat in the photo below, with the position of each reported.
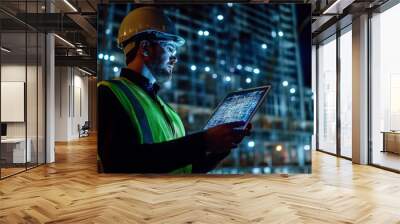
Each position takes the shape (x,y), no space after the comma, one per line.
(138,132)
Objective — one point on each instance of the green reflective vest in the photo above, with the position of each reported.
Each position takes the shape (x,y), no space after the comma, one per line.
(148,120)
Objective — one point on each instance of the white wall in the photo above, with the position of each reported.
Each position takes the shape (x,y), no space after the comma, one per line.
(14,73)
(81,104)
(17,72)
(71,101)
(61,103)
(34,124)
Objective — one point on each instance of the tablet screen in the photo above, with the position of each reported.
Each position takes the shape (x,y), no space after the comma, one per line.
(238,106)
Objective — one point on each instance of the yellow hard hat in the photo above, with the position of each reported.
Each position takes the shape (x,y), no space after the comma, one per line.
(146,21)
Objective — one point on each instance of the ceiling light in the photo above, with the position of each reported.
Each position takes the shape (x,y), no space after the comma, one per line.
(207,69)
(285,83)
(256,71)
(278,148)
(70,5)
(206,33)
(5,49)
(292,90)
(228,78)
(248,80)
(65,41)
(220,17)
(280,33)
(264,46)
(331,7)
(214,76)
(100,56)
(112,58)
(248,68)
(84,71)
(106,57)
(251,144)
(193,67)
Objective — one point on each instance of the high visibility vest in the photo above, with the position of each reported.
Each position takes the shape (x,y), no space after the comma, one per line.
(147,117)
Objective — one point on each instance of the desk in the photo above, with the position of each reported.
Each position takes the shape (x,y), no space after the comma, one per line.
(391,141)
(13,150)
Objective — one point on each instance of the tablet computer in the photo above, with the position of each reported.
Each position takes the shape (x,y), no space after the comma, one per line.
(238,106)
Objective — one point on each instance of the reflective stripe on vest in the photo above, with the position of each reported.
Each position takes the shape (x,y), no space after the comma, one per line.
(144,125)
(145,115)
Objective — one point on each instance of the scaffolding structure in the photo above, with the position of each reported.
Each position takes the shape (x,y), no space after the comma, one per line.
(231,47)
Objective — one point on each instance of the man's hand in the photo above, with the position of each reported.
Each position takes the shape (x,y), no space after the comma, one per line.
(225,137)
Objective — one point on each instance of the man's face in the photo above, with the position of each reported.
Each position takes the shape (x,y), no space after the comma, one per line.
(162,60)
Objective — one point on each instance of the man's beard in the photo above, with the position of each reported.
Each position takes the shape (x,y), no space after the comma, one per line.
(162,75)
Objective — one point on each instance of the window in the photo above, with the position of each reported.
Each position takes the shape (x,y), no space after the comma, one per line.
(346,94)
(327,96)
(22,78)
(385,88)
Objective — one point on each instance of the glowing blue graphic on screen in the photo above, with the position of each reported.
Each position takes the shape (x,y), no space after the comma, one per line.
(235,108)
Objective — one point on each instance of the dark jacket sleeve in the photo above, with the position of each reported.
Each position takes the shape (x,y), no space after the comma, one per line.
(121,153)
